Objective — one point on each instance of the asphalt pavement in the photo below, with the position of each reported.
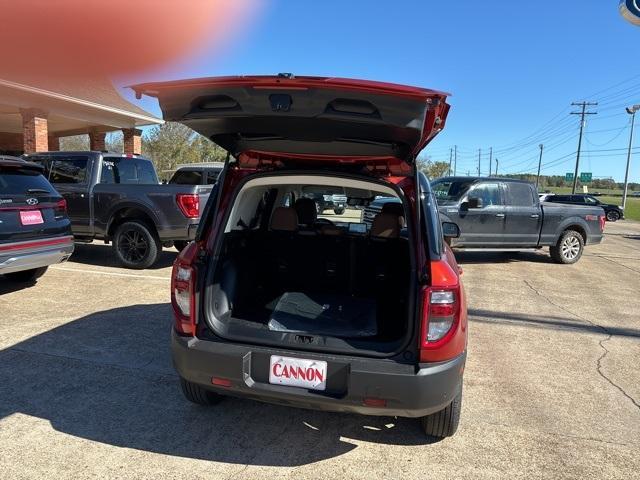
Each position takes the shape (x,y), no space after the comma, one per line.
(552,384)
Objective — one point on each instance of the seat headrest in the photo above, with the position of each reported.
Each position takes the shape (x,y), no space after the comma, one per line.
(284,219)
(386,225)
(395,209)
(306,210)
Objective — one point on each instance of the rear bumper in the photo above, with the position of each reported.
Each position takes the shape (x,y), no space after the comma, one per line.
(408,392)
(27,255)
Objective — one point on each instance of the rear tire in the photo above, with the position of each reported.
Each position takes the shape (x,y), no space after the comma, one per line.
(135,246)
(198,395)
(569,248)
(180,244)
(445,422)
(25,276)
(613,216)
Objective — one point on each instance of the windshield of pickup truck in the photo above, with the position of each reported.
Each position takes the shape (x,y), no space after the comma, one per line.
(449,192)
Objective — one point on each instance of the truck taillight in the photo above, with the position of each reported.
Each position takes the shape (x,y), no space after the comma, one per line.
(189,204)
(183,277)
(443,333)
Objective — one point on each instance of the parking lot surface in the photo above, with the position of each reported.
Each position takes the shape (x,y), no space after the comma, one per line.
(552,384)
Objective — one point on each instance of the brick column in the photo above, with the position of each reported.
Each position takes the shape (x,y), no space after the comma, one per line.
(96,141)
(54,143)
(132,141)
(34,130)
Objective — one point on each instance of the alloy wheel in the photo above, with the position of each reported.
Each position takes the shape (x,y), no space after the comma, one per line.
(570,248)
(133,246)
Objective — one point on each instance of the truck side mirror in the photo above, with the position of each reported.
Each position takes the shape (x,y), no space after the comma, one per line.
(450,230)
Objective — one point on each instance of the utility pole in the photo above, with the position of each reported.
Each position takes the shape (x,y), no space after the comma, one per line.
(631,111)
(450,159)
(496,166)
(479,153)
(582,113)
(539,165)
(490,159)
(455,159)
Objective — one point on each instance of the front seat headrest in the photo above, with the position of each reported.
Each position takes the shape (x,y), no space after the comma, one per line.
(395,208)
(386,225)
(284,219)
(306,210)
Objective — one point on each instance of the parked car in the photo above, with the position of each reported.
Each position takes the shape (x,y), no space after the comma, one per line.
(205,173)
(612,212)
(118,199)
(504,213)
(35,231)
(328,201)
(326,315)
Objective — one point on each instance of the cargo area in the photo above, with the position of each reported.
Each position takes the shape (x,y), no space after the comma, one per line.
(286,274)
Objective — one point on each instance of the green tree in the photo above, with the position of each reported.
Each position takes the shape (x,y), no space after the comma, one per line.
(171,144)
(74,143)
(432,169)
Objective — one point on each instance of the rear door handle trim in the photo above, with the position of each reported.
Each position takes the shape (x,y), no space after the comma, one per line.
(500,215)
(535,215)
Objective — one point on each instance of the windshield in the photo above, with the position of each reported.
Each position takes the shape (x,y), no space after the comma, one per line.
(449,192)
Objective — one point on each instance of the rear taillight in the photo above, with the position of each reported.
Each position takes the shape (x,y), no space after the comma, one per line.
(189,204)
(602,220)
(443,333)
(442,308)
(183,277)
(61,208)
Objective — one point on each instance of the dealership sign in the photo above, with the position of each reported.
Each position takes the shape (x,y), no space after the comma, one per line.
(630,9)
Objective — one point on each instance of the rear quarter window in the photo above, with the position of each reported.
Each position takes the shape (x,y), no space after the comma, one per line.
(520,195)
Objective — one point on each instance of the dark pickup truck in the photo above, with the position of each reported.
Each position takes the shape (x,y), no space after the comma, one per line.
(502,213)
(117,198)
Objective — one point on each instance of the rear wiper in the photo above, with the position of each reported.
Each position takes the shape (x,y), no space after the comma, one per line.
(37,190)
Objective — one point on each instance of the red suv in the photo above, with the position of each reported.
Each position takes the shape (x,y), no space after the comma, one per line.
(277,302)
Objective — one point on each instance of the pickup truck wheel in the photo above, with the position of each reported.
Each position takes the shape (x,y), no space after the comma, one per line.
(569,248)
(196,394)
(135,245)
(612,216)
(180,244)
(25,276)
(445,422)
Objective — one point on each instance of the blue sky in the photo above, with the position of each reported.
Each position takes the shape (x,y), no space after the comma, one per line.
(513,68)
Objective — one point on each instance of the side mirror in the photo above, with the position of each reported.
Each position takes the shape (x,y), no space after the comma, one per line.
(450,230)
(474,203)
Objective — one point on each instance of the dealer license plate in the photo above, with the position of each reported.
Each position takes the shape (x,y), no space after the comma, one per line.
(298,372)
(31,217)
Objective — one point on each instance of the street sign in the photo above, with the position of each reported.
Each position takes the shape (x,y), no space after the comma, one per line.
(585,177)
(568,177)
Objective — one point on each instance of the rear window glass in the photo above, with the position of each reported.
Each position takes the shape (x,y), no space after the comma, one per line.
(520,195)
(128,171)
(20,182)
(187,177)
(212,176)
